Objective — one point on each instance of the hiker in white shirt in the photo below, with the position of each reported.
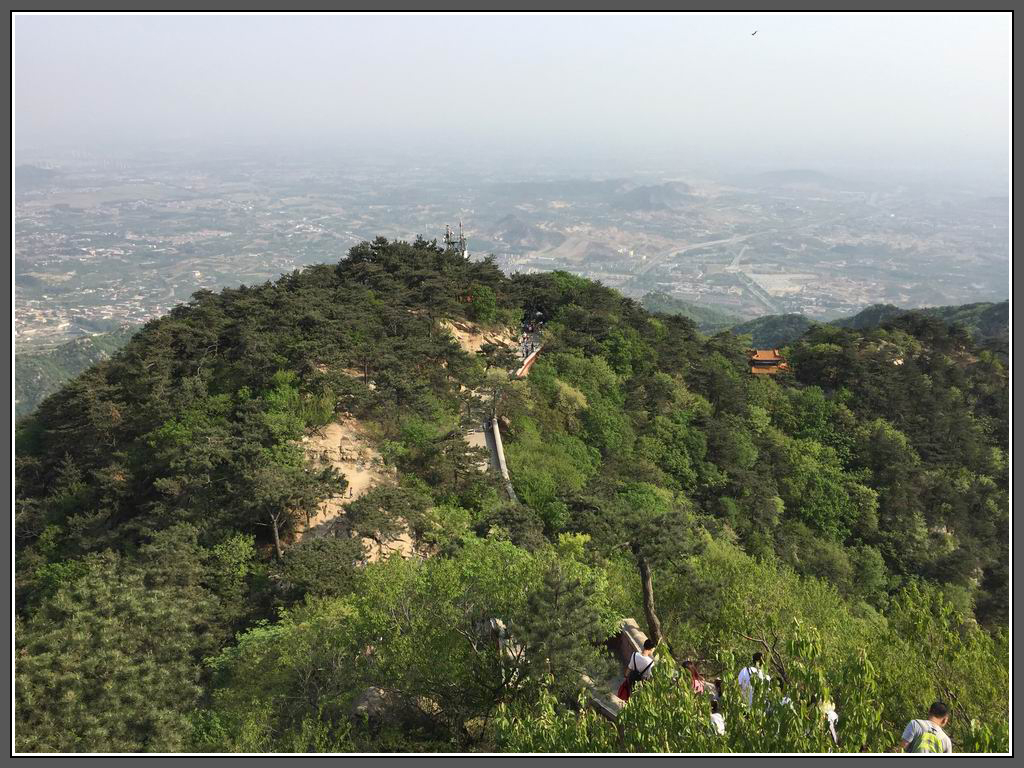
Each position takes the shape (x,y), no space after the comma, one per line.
(717,719)
(833,718)
(639,669)
(927,735)
(754,670)
(641,662)
(828,711)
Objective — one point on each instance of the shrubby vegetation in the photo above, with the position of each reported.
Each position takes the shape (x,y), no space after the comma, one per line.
(851,517)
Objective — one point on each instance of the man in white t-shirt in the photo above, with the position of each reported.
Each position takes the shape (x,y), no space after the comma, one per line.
(638,669)
(833,717)
(927,735)
(754,670)
(640,663)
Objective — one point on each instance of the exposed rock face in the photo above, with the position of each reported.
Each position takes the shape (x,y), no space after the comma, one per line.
(471,338)
(344,445)
(372,705)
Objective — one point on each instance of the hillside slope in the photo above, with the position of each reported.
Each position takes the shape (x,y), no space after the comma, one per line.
(853,515)
(774,330)
(985,321)
(708,319)
(40,373)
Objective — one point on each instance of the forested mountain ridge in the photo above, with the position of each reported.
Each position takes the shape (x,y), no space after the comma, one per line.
(709,319)
(41,373)
(774,330)
(985,321)
(988,324)
(853,514)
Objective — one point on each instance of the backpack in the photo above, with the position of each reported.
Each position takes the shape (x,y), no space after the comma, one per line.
(927,741)
(635,676)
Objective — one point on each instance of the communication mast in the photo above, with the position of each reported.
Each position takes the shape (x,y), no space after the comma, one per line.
(456,245)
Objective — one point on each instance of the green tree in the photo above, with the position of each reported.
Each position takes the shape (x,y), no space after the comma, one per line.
(110,663)
(566,619)
(484,306)
(651,526)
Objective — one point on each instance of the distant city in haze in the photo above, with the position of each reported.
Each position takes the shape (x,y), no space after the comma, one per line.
(102,242)
(829,163)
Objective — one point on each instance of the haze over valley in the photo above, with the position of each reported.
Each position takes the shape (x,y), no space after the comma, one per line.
(102,242)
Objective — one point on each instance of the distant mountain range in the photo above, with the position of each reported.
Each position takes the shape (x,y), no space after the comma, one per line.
(984,320)
(619,194)
(708,319)
(774,330)
(987,322)
(659,197)
(516,233)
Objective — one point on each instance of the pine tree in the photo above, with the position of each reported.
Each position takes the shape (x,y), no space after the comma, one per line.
(562,630)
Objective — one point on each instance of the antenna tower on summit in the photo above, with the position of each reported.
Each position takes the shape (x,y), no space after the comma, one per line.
(454,244)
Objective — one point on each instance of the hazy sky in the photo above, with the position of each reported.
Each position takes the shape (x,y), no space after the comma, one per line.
(874,90)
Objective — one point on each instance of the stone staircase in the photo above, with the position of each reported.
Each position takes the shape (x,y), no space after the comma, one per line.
(629,640)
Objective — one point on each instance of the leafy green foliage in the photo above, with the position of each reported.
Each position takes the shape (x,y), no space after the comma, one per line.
(858,675)
(422,632)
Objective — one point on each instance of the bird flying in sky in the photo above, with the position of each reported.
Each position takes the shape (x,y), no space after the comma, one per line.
(753,33)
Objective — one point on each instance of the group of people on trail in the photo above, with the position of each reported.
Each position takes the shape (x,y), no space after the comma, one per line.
(527,345)
(921,736)
(528,340)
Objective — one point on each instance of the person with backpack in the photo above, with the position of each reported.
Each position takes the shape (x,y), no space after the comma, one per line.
(754,670)
(927,735)
(638,669)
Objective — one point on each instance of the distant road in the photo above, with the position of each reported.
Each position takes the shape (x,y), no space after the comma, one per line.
(759,293)
(734,265)
(655,261)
